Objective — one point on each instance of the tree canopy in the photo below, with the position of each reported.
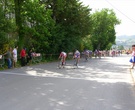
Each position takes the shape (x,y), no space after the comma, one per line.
(51,26)
(103,32)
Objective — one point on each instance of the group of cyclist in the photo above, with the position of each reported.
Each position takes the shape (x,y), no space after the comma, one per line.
(76,56)
(63,56)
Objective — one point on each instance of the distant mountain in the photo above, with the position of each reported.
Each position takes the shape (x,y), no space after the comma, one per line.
(126,41)
(125,37)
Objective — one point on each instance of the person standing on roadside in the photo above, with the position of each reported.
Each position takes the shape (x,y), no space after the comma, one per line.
(23,56)
(9,57)
(132,60)
(29,57)
(15,56)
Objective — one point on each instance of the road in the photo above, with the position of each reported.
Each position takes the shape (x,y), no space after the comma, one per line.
(99,84)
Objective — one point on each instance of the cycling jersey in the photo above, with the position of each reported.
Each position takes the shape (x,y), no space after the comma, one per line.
(86,52)
(77,54)
(63,54)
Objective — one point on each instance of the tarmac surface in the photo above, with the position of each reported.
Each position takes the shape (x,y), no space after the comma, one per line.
(98,84)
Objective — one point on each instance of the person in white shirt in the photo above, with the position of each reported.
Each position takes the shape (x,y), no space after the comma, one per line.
(15,56)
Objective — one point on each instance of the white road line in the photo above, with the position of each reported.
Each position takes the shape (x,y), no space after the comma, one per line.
(11,73)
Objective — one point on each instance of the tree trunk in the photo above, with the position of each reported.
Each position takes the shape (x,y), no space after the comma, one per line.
(18,18)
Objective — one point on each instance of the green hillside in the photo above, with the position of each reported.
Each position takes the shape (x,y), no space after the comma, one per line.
(126,41)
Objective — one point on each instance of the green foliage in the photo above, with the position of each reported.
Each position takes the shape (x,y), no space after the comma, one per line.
(37,25)
(52,26)
(103,31)
(86,43)
(120,47)
(72,23)
(7,25)
(108,47)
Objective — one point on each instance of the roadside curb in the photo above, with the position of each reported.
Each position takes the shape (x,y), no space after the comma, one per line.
(132,71)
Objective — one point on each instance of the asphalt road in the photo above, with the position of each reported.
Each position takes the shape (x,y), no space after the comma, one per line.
(99,84)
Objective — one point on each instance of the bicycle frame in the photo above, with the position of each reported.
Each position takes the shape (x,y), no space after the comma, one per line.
(61,63)
(76,60)
(86,56)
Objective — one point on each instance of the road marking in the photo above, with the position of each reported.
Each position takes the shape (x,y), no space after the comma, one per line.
(11,73)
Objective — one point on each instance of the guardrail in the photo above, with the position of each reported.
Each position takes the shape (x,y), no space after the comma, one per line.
(132,71)
(36,57)
(2,61)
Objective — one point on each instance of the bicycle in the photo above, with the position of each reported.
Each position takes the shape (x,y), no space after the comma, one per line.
(61,64)
(2,61)
(75,62)
(86,56)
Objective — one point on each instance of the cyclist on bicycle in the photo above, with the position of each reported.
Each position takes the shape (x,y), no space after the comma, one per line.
(76,56)
(86,54)
(63,56)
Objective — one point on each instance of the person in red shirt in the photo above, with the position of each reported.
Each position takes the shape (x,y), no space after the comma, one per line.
(23,56)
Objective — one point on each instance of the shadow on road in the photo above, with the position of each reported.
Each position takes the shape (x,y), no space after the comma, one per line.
(99,84)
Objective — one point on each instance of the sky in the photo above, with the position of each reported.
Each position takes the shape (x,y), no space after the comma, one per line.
(124,10)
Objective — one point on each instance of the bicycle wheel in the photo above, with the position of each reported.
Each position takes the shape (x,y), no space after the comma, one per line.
(86,58)
(75,63)
(59,64)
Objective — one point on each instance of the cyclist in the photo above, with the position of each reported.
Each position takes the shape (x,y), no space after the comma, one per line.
(76,56)
(90,53)
(63,56)
(86,54)
(96,53)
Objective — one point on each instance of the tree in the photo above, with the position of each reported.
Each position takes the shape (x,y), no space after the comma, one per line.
(103,32)
(86,43)
(7,27)
(43,23)
(72,23)
(120,47)
(18,18)
(37,25)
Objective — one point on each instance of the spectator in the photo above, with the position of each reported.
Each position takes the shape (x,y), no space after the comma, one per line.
(15,56)
(29,57)
(9,57)
(132,60)
(23,56)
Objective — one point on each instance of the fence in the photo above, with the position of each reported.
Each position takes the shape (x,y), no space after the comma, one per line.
(36,57)
(2,61)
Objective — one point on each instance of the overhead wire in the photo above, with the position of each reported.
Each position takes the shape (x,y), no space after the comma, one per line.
(119,11)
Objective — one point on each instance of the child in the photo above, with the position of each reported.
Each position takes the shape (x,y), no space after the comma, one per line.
(132,60)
